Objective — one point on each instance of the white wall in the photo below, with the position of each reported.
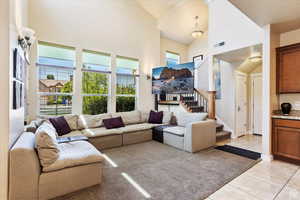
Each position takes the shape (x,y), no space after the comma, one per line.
(4,100)
(119,27)
(18,19)
(198,47)
(225,106)
(228,24)
(289,38)
(13,14)
(173,46)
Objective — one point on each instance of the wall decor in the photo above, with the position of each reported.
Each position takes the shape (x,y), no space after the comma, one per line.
(198,60)
(175,79)
(217,78)
(19,78)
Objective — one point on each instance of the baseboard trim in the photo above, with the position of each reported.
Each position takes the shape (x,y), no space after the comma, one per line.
(267,157)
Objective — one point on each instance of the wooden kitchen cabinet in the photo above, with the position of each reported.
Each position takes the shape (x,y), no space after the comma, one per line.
(286,139)
(288,69)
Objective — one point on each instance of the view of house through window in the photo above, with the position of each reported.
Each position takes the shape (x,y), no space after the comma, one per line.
(56,72)
(172,58)
(127,75)
(95,82)
(56,64)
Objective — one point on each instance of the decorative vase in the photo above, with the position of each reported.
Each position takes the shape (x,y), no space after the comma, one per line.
(286,108)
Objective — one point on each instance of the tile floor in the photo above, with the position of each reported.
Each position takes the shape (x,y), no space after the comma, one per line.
(265,181)
(249,141)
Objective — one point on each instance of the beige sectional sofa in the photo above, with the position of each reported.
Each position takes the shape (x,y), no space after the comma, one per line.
(41,168)
(136,130)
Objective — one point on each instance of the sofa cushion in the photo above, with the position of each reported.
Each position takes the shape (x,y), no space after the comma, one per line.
(111,123)
(132,117)
(46,144)
(61,125)
(167,117)
(91,121)
(144,116)
(176,130)
(74,154)
(184,119)
(99,132)
(72,121)
(156,117)
(136,127)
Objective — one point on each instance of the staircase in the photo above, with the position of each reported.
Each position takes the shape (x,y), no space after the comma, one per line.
(221,133)
(199,101)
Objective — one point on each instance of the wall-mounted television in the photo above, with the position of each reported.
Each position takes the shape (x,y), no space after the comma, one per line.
(176,79)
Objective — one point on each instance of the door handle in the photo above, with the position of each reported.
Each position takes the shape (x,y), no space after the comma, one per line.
(239,108)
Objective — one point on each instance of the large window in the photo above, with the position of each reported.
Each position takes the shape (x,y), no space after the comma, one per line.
(56,71)
(127,76)
(95,81)
(172,58)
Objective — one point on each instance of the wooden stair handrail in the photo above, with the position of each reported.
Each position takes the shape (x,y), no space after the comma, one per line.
(210,96)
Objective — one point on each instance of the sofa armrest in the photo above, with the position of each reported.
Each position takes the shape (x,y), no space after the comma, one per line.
(200,135)
(24,169)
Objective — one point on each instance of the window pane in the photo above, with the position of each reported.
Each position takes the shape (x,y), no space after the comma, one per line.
(129,63)
(94,83)
(96,61)
(125,104)
(51,54)
(172,59)
(55,105)
(56,80)
(93,105)
(126,84)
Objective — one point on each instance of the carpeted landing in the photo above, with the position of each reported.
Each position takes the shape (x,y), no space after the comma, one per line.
(153,170)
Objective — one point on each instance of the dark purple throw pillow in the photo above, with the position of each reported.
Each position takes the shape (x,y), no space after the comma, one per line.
(61,125)
(156,117)
(116,122)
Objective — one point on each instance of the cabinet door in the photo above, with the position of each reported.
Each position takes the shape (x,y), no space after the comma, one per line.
(287,142)
(288,66)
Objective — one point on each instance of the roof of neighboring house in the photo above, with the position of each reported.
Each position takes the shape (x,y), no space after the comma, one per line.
(53,83)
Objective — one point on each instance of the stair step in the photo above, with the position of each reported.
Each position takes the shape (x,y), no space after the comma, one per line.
(219,127)
(191,103)
(196,108)
(188,98)
(223,135)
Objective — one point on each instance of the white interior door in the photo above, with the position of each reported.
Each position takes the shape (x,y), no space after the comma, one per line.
(257,104)
(241,104)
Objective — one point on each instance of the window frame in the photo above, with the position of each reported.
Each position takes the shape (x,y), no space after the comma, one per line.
(174,53)
(108,73)
(136,77)
(56,94)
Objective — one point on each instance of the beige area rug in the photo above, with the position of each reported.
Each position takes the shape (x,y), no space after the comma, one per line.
(153,170)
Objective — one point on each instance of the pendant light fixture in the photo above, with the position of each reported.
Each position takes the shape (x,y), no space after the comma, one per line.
(197,33)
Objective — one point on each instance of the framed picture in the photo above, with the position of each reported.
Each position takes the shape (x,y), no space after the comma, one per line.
(197,60)
(19,78)
(19,65)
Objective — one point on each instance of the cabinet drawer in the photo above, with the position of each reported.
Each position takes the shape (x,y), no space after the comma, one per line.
(286,142)
(287,123)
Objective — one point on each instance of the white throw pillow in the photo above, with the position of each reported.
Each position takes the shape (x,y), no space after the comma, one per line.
(167,117)
(132,117)
(46,144)
(72,121)
(92,121)
(184,119)
(145,116)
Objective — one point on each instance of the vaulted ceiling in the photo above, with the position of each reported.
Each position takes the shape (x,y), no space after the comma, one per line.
(285,14)
(176,17)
